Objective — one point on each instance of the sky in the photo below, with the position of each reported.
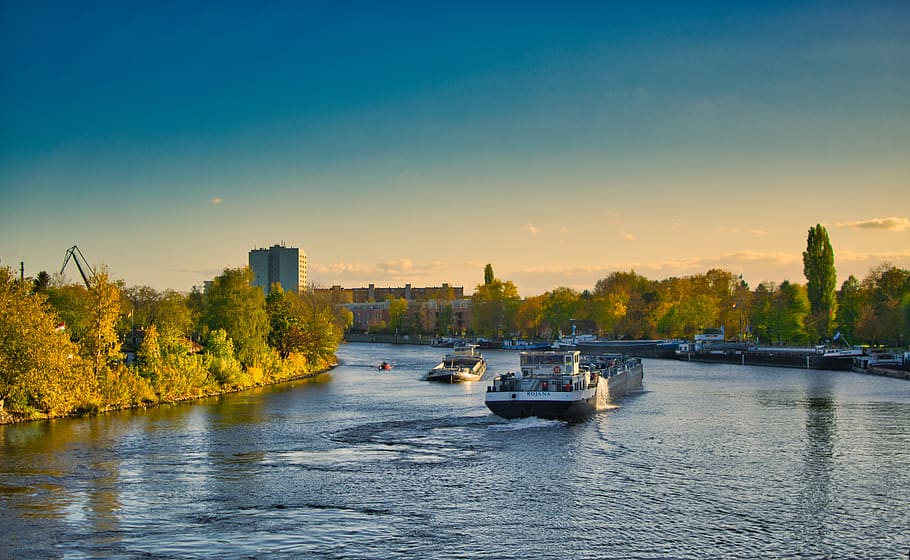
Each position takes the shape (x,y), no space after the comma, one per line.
(415,142)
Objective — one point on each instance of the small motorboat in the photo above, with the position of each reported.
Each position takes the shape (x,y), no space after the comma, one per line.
(384,366)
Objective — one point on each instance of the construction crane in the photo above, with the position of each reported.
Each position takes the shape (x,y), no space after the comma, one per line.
(76,255)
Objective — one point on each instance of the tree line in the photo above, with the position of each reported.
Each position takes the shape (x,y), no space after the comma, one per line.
(625,304)
(62,346)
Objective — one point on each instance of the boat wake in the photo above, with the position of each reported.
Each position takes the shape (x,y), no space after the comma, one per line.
(529,423)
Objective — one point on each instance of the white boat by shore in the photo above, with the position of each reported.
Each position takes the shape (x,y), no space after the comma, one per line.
(463,364)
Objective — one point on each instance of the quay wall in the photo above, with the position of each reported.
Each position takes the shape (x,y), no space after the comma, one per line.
(391,339)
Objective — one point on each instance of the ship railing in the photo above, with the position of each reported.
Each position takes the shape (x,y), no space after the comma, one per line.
(507,382)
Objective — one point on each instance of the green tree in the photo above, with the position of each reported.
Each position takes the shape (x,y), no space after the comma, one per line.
(73,305)
(493,307)
(885,321)
(324,325)
(444,323)
(220,357)
(398,309)
(559,308)
(149,353)
(685,307)
(818,267)
(42,282)
(624,301)
(238,307)
(762,315)
(142,301)
(792,306)
(286,334)
(850,303)
(529,317)
(174,322)
(40,367)
(488,274)
(101,343)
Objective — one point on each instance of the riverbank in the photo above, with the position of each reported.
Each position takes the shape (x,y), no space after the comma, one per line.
(419,340)
(10,418)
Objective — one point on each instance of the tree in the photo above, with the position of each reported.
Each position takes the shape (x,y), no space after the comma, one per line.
(685,306)
(529,317)
(39,365)
(220,358)
(285,323)
(560,307)
(101,343)
(818,267)
(238,307)
(398,309)
(72,304)
(850,302)
(324,326)
(494,306)
(148,355)
(762,315)
(42,282)
(488,274)
(792,306)
(623,300)
(143,304)
(886,320)
(174,321)
(445,320)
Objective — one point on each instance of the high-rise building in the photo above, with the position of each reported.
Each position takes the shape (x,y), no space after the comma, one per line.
(285,266)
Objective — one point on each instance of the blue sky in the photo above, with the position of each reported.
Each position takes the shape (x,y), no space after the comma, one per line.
(414,143)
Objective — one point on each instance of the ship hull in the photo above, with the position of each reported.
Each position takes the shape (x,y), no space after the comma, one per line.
(553,405)
(544,404)
(770,357)
(455,377)
(639,348)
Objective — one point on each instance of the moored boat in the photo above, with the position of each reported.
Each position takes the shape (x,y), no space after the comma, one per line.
(463,364)
(877,359)
(710,346)
(563,384)
(637,348)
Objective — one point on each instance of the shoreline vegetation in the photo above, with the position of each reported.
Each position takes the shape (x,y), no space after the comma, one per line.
(7,418)
(72,350)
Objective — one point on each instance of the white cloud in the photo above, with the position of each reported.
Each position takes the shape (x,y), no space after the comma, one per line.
(399,271)
(860,256)
(755,266)
(729,229)
(217,200)
(888,224)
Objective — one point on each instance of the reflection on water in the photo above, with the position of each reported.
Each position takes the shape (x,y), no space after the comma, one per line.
(709,461)
(821,434)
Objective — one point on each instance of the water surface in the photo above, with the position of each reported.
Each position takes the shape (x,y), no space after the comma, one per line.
(710,460)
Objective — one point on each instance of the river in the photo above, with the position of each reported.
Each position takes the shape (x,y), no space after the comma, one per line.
(709,461)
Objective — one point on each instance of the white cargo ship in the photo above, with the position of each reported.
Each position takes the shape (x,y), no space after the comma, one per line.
(563,384)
